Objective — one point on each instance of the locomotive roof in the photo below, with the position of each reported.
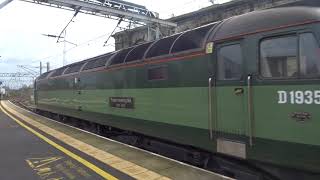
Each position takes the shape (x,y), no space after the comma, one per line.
(196,39)
(265,20)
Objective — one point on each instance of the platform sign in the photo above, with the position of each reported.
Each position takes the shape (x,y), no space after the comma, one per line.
(121,102)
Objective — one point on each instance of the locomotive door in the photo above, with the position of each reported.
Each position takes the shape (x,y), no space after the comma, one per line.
(228,100)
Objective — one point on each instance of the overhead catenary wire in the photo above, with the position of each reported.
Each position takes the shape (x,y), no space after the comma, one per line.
(120,20)
(3,4)
(70,49)
(109,35)
(77,45)
(64,29)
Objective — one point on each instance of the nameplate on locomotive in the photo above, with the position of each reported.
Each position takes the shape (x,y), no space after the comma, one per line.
(121,102)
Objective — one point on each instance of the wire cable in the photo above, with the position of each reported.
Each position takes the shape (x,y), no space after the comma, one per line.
(75,14)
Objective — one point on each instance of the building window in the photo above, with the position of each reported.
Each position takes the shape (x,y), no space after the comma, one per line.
(230,62)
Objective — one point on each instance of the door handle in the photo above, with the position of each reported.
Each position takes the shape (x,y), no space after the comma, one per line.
(211,86)
(250,109)
(238,91)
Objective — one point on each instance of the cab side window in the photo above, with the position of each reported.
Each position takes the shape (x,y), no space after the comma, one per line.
(309,55)
(295,56)
(278,57)
(230,62)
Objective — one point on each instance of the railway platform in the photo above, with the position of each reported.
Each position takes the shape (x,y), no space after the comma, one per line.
(35,147)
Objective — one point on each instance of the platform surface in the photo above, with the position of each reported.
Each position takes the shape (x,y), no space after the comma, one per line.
(24,155)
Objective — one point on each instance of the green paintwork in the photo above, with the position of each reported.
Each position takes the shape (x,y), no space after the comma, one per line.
(230,110)
(273,120)
(170,105)
(188,107)
(276,152)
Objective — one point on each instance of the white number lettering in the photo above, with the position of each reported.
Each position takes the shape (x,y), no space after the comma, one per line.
(308,97)
(317,97)
(292,97)
(282,97)
(299,97)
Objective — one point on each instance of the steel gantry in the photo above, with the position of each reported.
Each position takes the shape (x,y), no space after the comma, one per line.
(109,8)
(119,10)
(16,80)
(16,75)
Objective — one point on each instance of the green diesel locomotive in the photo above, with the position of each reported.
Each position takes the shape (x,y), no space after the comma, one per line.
(245,89)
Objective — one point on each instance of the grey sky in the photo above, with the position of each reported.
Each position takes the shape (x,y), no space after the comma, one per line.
(22,24)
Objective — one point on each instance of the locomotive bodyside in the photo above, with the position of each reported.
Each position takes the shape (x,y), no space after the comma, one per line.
(255,97)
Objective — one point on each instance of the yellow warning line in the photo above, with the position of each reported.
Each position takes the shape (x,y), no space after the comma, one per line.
(127,167)
(67,152)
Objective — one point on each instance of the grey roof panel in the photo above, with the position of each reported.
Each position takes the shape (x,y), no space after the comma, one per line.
(264,20)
